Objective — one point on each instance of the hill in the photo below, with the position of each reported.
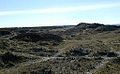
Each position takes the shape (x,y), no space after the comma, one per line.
(85,48)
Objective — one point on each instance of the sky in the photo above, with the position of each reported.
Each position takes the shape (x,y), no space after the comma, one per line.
(28,13)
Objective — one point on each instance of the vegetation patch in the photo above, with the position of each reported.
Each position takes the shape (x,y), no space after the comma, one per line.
(35,37)
(4,32)
(78,52)
(8,60)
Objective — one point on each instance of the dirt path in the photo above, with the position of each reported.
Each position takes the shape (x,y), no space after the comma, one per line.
(100,65)
(26,55)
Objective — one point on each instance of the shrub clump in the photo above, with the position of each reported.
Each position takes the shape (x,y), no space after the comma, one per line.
(8,59)
(35,37)
(78,52)
(4,32)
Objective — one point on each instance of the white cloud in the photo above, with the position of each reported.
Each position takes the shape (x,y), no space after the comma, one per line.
(59,10)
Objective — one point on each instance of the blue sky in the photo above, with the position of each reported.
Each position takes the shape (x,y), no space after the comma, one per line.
(17,13)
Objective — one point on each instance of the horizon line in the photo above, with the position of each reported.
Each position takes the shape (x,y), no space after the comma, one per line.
(57,25)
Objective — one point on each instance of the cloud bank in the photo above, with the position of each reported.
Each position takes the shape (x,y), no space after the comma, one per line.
(60,9)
